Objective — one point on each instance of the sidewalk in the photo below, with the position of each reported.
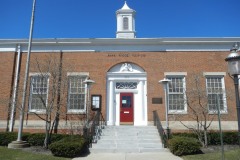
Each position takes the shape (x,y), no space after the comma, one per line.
(164,155)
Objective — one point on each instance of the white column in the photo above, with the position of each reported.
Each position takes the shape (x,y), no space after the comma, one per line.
(145,102)
(117,109)
(142,100)
(110,103)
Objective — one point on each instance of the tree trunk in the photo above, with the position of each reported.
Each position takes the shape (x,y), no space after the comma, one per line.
(47,131)
(200,138)
(58,95)
(56,123)
(205,138)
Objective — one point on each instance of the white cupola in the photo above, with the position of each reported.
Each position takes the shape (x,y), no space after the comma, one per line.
(125,22)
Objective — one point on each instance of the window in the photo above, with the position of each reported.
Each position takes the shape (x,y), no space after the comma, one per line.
(176,92)
(38,93)
(77,94)
(126,85)
(126,101)
(125,23)
(216,93)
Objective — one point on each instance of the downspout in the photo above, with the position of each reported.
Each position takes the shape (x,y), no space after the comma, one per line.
(15,89)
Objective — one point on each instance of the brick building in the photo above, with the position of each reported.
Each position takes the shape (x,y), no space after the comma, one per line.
(126,71)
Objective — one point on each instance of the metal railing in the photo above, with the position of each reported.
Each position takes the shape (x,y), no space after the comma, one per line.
(93,131)
(161,131)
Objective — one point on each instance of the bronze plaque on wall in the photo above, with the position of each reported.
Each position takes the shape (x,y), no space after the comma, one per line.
(157,100)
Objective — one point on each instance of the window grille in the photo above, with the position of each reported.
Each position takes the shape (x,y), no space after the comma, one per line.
(77,93)
(126,85)
(38,93)
(176,92)
(215,91)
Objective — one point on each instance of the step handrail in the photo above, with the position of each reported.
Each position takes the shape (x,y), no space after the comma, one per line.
(97,121)
(161,131)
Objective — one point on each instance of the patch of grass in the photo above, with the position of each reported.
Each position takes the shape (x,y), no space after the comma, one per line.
(17,154)
(229,155)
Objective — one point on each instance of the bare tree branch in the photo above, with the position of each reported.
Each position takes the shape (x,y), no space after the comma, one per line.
(198,108)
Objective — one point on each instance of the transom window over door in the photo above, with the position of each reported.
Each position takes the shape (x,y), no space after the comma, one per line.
(77,94)
(38,93)
(126,85)
(216,92)
(176,92)
(125,23)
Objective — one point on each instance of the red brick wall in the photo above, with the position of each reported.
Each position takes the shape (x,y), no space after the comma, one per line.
(6,73)
(154,63)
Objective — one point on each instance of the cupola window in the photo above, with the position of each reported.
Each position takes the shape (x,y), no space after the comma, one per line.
(125,23)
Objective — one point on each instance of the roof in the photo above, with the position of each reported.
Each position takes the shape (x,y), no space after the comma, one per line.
(125,9)
(125,6)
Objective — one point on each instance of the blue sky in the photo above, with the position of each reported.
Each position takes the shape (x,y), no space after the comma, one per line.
(97,19)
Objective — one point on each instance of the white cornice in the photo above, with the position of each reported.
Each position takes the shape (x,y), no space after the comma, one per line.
(119,44)
(122,40)
(7,49)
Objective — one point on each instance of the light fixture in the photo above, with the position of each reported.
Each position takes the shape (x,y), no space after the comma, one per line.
(233,60)
(165,83)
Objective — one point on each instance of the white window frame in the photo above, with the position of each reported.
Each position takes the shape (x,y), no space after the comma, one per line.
(45,75)
(224,110)
(84,75)
(183,77)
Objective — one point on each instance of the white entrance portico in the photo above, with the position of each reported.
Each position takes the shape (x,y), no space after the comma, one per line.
(127,78)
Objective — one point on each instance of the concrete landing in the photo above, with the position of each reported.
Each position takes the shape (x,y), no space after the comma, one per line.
(164,155)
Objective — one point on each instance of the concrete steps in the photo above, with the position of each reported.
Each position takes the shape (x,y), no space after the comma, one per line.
(128,139)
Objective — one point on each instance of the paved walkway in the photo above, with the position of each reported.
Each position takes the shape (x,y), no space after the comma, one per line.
(165,155)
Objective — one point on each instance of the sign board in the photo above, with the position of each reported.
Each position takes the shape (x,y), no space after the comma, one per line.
(157,100)
(96,102)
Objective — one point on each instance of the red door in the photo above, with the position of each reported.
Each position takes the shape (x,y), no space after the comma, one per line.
(126,108)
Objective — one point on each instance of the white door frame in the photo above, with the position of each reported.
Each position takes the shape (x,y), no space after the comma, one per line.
(135,74)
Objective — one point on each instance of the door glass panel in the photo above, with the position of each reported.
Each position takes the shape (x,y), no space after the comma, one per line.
(126,101)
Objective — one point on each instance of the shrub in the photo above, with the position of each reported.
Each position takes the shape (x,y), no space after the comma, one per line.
(184,145)
(213,138)
(192,135)
(57,137)
(36,139)
(228,138)
(8,137)
(69,147)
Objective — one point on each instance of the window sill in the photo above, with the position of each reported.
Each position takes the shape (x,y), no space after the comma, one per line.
(37,112)
(177,112)
(75,112)
(216,112)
